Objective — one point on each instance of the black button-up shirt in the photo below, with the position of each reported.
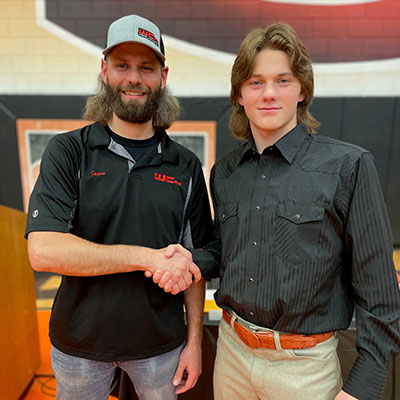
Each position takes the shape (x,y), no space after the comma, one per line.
(303,240)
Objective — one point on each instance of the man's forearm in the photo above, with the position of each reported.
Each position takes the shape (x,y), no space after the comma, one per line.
(189,365)
(194,304)
(68,254)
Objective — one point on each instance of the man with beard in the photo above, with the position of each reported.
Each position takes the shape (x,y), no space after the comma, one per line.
(109,200)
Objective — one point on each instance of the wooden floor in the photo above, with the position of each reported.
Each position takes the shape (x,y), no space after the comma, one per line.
(44,384)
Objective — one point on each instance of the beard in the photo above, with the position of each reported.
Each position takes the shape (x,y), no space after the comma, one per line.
(99,107)
(133,110)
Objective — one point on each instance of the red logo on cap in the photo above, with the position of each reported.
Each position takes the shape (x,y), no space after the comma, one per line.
(148,35)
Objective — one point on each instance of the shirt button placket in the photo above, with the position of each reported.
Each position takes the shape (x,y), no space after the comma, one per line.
(255,236)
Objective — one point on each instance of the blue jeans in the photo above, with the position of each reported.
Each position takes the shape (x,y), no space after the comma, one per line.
(82,379)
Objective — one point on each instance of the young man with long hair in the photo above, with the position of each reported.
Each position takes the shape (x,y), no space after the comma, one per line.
(303,240)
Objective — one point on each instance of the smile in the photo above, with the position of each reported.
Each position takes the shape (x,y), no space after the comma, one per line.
(133,94)
(268,110)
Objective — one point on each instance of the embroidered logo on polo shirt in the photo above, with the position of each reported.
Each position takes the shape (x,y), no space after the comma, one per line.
(94,173)
(148,35)
(166,178)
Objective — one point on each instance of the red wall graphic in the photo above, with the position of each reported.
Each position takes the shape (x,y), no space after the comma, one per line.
(366,30)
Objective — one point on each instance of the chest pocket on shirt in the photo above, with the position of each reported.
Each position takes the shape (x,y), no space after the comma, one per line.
(297,232)
(227,218)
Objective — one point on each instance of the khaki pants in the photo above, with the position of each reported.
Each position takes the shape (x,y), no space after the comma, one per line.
(242,373)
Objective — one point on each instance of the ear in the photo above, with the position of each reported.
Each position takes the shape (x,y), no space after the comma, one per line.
(164,74)
(104,70)
(240,100)
(301,97)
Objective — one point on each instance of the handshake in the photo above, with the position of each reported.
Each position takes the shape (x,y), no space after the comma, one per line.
(173,269)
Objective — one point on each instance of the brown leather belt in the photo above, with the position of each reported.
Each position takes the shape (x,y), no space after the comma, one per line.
(265,340)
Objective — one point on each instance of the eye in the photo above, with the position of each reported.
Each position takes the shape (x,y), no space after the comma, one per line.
(284,81)
(147,68)
(121,66)
(255,82)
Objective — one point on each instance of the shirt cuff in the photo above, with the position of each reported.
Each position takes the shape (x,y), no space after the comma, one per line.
(366,381)
(208,265)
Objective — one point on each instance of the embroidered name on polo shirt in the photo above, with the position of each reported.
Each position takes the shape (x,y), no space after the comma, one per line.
(94,173)
(166,178)
(148,35)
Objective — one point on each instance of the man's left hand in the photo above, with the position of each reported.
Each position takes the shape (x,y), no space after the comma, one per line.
(344,396)
(189,368)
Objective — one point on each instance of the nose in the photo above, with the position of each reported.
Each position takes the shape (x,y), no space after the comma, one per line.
(269,91)
(134,77)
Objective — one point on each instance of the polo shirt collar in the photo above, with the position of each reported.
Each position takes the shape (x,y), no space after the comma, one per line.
(288,145)
(99,137)
(168,150)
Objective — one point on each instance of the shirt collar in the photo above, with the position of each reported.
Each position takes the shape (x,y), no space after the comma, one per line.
(288,145)
(249,150)
(99,137)
(168,150)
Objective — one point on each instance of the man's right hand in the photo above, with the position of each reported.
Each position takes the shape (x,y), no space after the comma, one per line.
(172,249)
(175,271)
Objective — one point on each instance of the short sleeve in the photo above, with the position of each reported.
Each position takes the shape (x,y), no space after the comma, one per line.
(53,199)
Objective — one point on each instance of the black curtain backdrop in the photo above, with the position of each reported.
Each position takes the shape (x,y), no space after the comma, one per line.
(372,123)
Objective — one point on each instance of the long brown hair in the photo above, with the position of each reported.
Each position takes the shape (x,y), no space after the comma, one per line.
(98,108)
(278,36)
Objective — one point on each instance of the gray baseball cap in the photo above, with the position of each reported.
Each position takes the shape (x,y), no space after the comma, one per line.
(133,28)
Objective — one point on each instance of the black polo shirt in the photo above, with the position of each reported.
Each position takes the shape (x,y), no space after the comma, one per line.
(90,186)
